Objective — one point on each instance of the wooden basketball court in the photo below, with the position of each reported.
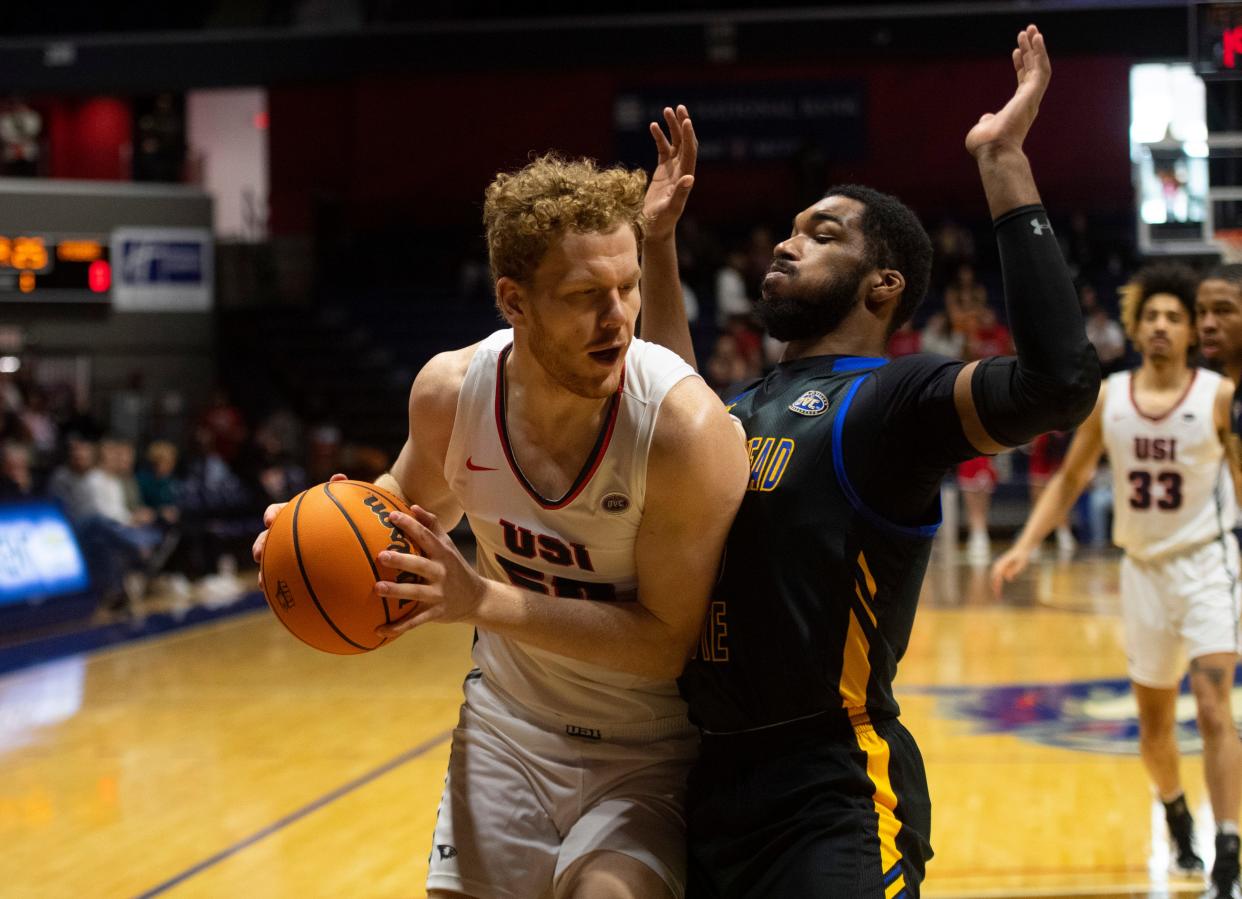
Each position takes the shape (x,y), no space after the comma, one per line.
(230,760)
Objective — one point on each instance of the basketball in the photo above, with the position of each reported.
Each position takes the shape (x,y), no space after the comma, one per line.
(320,565)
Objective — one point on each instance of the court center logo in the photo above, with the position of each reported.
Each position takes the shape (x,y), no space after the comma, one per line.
(810,403)
(1098,716)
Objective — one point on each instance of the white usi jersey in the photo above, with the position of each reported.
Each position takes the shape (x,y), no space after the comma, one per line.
(1171,489)
(580,545)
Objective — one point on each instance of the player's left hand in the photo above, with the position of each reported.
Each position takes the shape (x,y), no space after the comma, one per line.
(1008,128)
(673,177)
(450,589)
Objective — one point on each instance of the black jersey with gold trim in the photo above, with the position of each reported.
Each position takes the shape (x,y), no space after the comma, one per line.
(818,590)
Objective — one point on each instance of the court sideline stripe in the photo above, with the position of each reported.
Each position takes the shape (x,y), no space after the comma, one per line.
(408,755)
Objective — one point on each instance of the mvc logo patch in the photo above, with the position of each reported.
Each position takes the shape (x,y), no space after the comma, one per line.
(810,403)
(616,503)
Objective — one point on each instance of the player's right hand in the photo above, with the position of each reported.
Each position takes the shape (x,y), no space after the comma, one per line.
(674,173)
(1009,126)
(1008,567)
(269,515)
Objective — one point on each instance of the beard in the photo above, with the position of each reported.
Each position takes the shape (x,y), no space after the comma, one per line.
(798,310)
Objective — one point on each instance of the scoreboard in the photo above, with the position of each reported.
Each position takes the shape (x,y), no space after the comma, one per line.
(43,267)
(1216,39)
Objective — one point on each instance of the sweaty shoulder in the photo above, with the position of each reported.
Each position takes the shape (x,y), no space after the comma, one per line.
(439,382)
(697,448)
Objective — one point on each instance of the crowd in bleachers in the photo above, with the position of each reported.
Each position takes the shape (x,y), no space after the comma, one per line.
(143,509)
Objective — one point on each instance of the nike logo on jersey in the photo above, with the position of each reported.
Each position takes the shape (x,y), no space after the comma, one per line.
(470,464)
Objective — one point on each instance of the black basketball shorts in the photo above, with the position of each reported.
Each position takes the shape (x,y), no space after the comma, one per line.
(823,807)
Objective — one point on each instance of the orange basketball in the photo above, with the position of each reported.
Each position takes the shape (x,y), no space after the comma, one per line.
(320,568)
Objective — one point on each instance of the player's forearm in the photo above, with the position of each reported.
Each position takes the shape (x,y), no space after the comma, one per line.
(1053,383)
(664,311)
(1007,178)
(622,636)
(1051,508)
(386,481)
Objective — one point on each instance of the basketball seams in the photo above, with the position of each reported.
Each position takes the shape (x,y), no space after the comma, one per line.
(297,550)
(366,550)
(400,505)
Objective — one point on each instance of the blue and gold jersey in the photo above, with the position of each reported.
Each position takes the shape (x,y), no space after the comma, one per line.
(818,591)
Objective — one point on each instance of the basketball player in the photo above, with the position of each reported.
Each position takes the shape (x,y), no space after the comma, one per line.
(808,785)
(599,475)
(1165,427)
(1218,314)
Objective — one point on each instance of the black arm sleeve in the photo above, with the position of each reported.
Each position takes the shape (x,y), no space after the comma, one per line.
(1053,383)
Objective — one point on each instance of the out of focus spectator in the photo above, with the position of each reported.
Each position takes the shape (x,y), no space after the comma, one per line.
(275,473)
(157,482)
(217,512)
(323,452)
(16,474)
(115,541)
(732,299)
(21,133)
(68,483)
(952,245)
(1079,247)
(364,463)
(729,368)
(40,425)
(211,487)
(116,486)
(225,424)
(964,293)
(985,336)
(1104,333)
(759,249)
(905,341)
(940,337)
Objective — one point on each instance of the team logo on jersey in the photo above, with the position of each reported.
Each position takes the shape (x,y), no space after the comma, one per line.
(616,503)
(810,403)
(1087,716)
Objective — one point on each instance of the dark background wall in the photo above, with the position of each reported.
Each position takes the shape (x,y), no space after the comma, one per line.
(421,148)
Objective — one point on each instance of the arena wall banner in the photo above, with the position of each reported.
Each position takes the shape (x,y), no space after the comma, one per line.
(773,120)
(162,269)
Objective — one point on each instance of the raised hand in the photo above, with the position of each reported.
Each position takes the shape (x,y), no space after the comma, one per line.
(1008,127)
(674,173)
(449,589)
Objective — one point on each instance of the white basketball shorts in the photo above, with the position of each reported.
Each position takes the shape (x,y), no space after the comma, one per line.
(524,800)
(1189,599)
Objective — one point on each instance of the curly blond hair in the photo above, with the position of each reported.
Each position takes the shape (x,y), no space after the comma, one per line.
(524,211)
(1161,277)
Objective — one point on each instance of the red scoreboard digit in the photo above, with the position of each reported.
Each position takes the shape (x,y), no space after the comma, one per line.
(1216,39)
